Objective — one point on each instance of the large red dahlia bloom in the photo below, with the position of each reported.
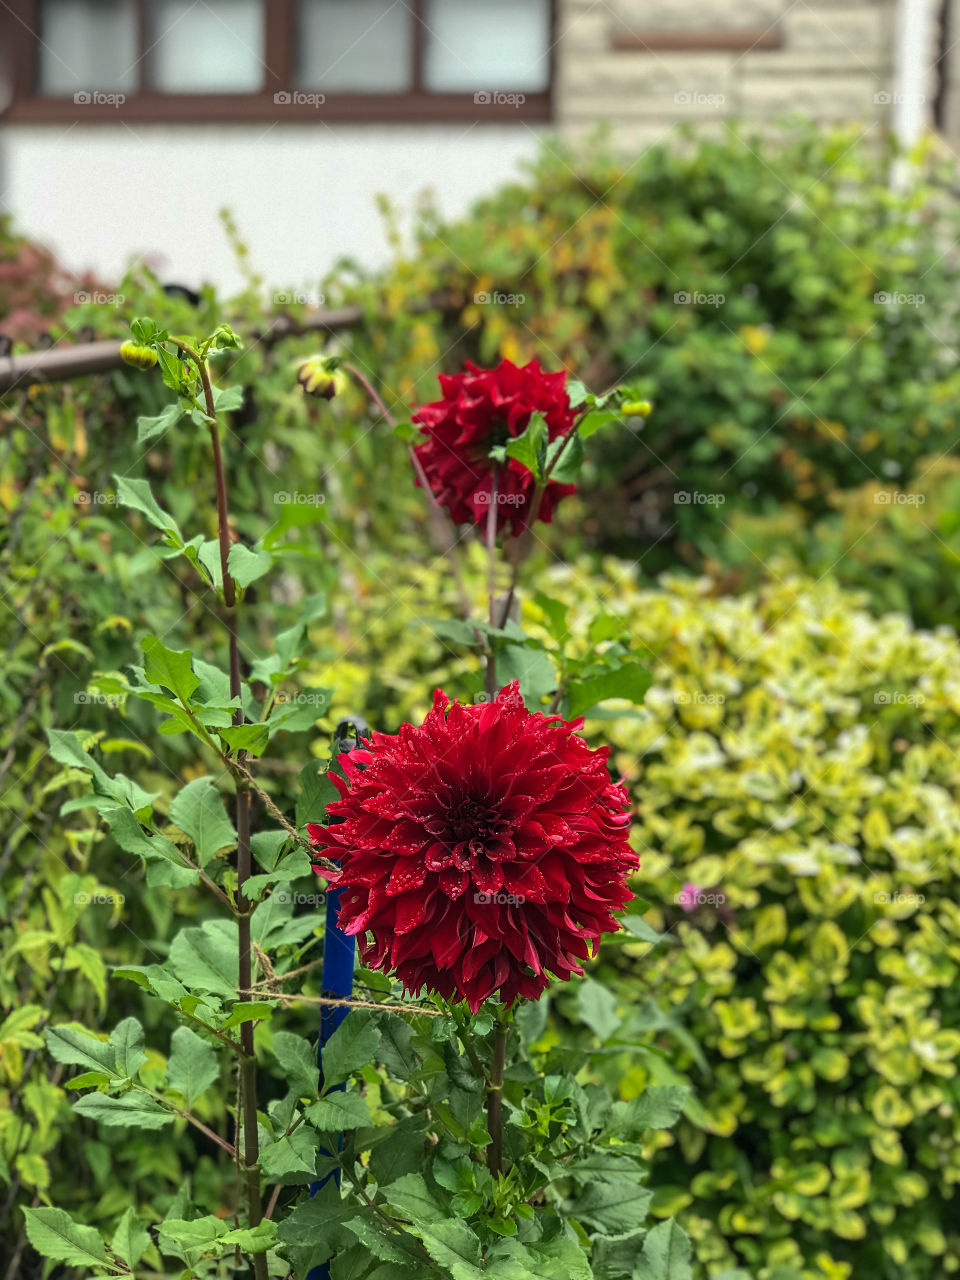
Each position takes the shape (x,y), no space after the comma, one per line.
(481,851)
(480,409)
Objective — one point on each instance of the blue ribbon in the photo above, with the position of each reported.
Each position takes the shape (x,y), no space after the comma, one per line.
(339,954)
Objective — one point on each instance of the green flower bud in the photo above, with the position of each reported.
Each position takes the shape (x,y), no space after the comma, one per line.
(137,355)
(319,376)
(637,409)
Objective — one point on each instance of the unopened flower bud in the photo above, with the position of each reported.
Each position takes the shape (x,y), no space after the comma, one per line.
(137,355)
(637,409)
(319,376)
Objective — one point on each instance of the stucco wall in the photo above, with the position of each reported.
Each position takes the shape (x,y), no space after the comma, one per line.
(301,195)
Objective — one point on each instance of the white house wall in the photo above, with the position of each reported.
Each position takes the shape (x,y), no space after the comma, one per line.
(302,195)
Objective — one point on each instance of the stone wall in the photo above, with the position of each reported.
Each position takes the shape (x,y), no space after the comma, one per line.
(650,65)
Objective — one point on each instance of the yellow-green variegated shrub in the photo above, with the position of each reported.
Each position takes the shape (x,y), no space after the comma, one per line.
(796,767)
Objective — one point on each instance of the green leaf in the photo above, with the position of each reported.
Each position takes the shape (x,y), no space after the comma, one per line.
(596,421)
(636,925)
(126,1041)
(192,1240)
(658,1107)
(529,448)
(570,451)
(631,681)
(533,669)
(316,792)
(137,495)
(169,668)
(411,1197)
(353,1045)
(55,1235)
(613,1209)
(76,1047)
(597,1006)
(666,1254)
(205,957)
(131,1239)
(130,836)
(193,1066)
(199,813)
(292,1158)
(256,1239)
(339,1110)
(247,737)
(298,1059)
(227,399)
(134,1110)
(149,429)
(247,565)
(455,1247)
(556,612)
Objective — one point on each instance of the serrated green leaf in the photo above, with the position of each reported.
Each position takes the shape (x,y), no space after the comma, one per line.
(631,681)
(353,1045)
(55,1235)
(192,1067)
(149,429)
(198,811)
(126,1041)
(205,957)
(247,565)
(131,1238)
(137,495)
(76,1047)
(666,1254)
(339,1110)
(134,1110)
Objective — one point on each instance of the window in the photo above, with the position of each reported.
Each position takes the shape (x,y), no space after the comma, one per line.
(378,60)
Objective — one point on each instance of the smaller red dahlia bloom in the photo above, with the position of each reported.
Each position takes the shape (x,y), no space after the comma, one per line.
(481,409)
(481,851)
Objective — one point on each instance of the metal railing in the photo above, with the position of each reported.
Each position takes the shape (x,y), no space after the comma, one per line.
(60,364)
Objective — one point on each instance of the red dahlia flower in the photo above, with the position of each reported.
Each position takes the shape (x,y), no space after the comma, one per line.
(480,852)
(480,409)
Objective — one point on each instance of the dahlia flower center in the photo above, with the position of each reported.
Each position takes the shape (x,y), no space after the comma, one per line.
(470,831)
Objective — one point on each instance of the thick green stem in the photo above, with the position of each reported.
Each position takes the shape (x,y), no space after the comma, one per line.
(495,1100)
(248,1062)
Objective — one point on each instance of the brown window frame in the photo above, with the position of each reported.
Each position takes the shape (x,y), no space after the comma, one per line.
(147,106)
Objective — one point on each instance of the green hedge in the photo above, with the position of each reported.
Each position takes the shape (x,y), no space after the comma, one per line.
(796,761)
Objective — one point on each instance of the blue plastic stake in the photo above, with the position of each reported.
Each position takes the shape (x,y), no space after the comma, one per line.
(339,953)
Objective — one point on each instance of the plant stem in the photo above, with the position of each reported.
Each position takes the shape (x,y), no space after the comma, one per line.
(495,1100)
(492,579)
(248,1062)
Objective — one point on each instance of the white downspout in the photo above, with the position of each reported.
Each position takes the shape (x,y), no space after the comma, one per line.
(912,57)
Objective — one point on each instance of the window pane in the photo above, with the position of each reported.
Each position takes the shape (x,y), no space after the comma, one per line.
(213,47)
(354,46)
(499,44)
(87,45)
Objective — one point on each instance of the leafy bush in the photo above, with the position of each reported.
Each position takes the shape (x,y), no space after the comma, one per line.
(795,775)
(901,546)
(797,384)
